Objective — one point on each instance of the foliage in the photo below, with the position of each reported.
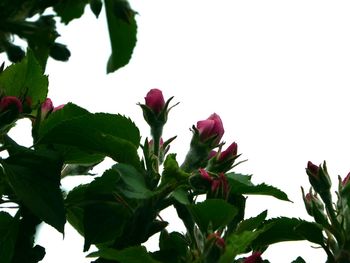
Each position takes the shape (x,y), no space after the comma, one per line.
(35,22)
(120,209)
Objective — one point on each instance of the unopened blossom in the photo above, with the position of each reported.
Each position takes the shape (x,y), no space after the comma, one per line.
(211,127)
(254,258)
(10,102)
(229,153)
(155,100)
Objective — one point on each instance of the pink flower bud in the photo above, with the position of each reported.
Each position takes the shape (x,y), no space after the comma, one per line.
(229,153)
(58,107)
(46,108)
(212,154)
(205,175)
(254,258)
(220,184)
(9,102)
(346,180)
(211,127)
(312,169)
(155,100)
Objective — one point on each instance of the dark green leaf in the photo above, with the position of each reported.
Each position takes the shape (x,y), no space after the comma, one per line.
(96,6)
(212,212)
(181,196)
(75,207)
(278,230)
(112,135)
(242,178)
(237,244)
(103,222)
(134,185)
(242,185)
(122,31)
(8,236)
(311,232)
(68,112)
(251,223)
(172,247)
(298,260)
(25,79)
(70,9)
(129,255)
(35,179)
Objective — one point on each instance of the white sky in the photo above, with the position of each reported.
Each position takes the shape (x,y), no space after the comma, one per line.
(277,72)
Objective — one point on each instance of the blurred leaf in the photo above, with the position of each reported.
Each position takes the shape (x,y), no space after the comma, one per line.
(214,212)
(70,9)
(241,185)
(77,169)
(25,79)
(122,32)
(42,39)
(8,236)
(298,260)
(96,6)
(35,178)
(251,223)
(238,244)
(128,255)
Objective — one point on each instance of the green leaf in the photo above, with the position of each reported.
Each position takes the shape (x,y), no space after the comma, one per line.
(70,9)
(237,244)
(96,6)
(8,236)
(35,179)
(278,230)
(251,223)
(122,32)
(75,207)
(172,173)
(242,178)
(69,112)
(241,185)
(128,255)
(25,79)
(134,185)
(112,135)
(311,232)
(215,213)
(298,260)
(181,195)
(103,222)
(173,247)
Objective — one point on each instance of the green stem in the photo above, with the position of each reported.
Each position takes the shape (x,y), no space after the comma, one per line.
(156,134)
(336,227)
(195,158)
